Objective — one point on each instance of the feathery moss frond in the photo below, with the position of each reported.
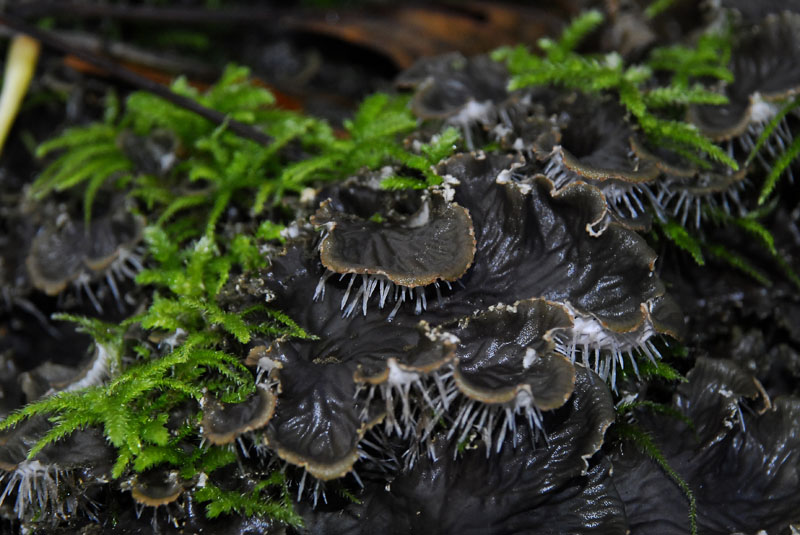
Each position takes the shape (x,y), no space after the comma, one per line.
(739,262)
(708,58)
(440,147)
(658,369)
(697,245)
(659,408)
(256,502)
(108,334)
(91,157)
(595,74)
(132,408)
(772,125)
(657,7)
(647,445)
(671,95)
(683,239)
(402,182)
(780,165)
(573,34)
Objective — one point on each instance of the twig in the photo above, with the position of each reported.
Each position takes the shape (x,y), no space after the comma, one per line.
(128,76)
(125,52)
(184,15)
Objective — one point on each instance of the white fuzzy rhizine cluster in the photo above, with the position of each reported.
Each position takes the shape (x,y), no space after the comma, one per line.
(684,205)
(473,113)
(436,390)
(105,358)
(387,291)
(488,419)
(39,488)
(602,349)
(674,199)
(125,266)
(624,198)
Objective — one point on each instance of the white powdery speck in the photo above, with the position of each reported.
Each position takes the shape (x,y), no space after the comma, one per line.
(761,111)
(398,376)
(473,111)
(530,357)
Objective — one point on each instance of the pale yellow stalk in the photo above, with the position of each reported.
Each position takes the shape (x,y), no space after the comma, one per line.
(20,65)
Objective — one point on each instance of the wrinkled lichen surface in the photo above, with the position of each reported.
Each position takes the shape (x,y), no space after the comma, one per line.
(494,302)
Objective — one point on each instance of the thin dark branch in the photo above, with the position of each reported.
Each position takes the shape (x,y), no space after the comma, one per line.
(185,15)
(47,38)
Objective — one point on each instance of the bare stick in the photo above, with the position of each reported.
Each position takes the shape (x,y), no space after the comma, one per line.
(185,15)
(130,77)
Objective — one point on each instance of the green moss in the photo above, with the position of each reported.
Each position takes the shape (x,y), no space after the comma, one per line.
(653,109)
(133,407)
(645,443)
(257,502)
(233,171)
(681,237)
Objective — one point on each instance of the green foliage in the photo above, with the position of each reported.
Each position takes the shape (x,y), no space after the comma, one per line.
(129,408)
(708,58)
(681,237)
(739,262)
(440,147)
(650,369)
(218,169)
(107,334)
(667,96)
(371,141)
(772,125)
(233,94)
(596,74)
(657,7)
(778,168)
(268,230)
(133,407)
(647,445)
(750,224)
(256,502)
(790,155)
(696,245)
(659,408)
(91,157)
(579,28)
(194,276)
(402,182)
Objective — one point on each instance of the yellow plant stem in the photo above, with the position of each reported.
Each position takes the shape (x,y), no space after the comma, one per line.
(23,55)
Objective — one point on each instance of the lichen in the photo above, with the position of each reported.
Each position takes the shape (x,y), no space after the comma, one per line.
(346,329)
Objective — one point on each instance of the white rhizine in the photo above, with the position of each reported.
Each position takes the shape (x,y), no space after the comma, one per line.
(36,486)
(607,349)
(761,111)
(98,370)
(530,357)
(398,376)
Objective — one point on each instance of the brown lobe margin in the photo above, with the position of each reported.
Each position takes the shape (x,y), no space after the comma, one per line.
(641,151)
(329,262)
(269,402)
(646,173)
(7,467)
(323,471)
(48,286)
(138,494)
(509,394)
(599,211)
(383,376)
